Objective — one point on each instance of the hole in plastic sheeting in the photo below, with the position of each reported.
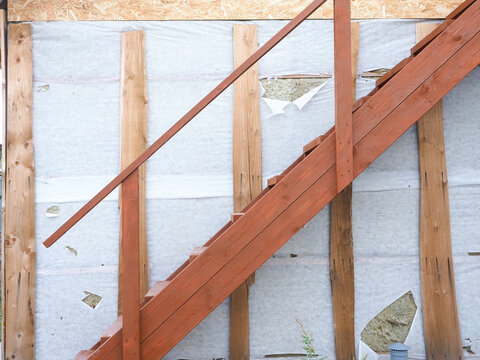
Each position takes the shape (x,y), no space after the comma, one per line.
(72,250)
(52,211)
(391,325)
(374,74)
(43,88)
(291,89)
(91,300)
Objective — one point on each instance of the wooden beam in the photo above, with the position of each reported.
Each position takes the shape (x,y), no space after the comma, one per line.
(19,245)
(202,104)
(240,249)
(440,316)
(341,249)
(3,134)
(131,267)
(247,170)
(38,10)
(343,94)
(134,125)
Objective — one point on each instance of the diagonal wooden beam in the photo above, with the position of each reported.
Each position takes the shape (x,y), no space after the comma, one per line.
(440,315)
(245,245)
(343,93)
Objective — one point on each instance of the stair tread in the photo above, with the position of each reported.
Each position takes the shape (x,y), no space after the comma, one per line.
(196,252)
(116,326)
(274,180)
(236,216)
(155,289)
(84,355)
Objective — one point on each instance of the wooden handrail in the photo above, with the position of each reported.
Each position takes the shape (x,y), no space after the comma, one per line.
(229,80)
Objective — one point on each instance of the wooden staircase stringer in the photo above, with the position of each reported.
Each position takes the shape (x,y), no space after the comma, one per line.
(197,289)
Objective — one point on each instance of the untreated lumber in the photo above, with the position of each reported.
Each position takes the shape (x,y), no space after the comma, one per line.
(341,249)
(3,134)
(130,267)
(19,242)
(343,93)
(59,10)
(440,315)
(247,170)
(271,222)
(219,89)
(134,128)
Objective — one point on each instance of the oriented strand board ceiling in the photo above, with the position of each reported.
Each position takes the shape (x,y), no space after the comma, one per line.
(41,10)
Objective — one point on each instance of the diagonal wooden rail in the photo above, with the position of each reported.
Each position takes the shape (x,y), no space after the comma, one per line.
(202,104)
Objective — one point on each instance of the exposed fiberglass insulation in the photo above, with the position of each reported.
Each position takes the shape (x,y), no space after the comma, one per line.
(76,120)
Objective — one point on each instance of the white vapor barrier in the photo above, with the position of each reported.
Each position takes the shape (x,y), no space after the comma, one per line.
(76,123)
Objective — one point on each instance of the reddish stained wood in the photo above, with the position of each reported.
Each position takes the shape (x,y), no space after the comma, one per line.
(399,119)
(239,71)
(341,250)
(274,180)
(236,216)
(440,316)
(131,267)
(374,133)
(437,29)
(155,289)
(343,93)
(196,252)
(459,10)
(360,103)
(380,82)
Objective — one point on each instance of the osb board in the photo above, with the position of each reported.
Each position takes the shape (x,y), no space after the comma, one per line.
(39,10)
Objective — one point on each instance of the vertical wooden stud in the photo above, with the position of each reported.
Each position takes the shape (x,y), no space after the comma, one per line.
(343,94)
(440,316)
(3,134)
(19,242)
(131,267)
(247,171)
(134,125)
(341,249)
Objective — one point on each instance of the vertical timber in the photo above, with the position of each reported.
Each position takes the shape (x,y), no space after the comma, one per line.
(131,268)
(343,94)
(19,242)
(134,128)
(440,316)
(341,249)
(247,171)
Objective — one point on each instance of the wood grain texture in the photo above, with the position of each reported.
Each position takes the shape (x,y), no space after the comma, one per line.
(439,306)
(130,267)
(134,129)
(3,134)
(306,188)
(247,171)
(19,246)
(341,249)
(39,10)
(343,93)
(184,120)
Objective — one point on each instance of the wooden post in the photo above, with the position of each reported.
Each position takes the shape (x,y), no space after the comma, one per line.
(247,171)
(343,94)
(341,249)
(131,267)
(134,124)
(440,317)
(19,242)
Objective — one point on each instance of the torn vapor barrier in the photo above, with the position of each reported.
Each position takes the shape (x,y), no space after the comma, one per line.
(391,325)
(280,92)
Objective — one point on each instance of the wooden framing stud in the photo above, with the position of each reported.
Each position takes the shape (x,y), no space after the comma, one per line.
(19,242)
(134,125)
(440,315)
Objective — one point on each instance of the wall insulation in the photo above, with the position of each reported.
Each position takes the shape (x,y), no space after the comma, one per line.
(76,122)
